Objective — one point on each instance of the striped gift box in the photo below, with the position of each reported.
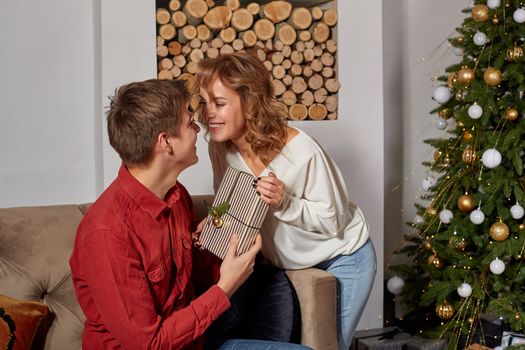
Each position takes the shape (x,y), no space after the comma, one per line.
(244,216)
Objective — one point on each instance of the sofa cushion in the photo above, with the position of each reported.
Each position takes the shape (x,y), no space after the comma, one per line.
(19,321)
(35,246)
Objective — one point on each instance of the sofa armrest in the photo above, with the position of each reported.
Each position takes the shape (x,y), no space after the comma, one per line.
(316,290)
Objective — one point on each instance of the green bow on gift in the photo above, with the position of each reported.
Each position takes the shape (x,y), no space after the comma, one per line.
(216,213)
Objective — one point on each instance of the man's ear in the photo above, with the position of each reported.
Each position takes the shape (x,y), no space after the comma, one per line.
(163,143)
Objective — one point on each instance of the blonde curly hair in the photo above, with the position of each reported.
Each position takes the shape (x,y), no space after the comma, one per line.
(265,116)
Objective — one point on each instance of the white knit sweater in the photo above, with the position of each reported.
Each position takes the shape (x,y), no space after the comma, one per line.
(316,221)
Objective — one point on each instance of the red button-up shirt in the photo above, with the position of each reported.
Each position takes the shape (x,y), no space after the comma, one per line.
(131,268)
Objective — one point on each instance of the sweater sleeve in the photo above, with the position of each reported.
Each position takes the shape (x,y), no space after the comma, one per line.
(119,289)
(316,199)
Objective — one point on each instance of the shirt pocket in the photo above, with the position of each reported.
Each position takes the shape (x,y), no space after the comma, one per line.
(158,278)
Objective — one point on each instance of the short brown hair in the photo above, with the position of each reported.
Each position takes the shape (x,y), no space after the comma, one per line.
(139,112)
(265,116)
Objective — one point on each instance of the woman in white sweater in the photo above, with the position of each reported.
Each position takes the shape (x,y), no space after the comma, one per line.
(312,223)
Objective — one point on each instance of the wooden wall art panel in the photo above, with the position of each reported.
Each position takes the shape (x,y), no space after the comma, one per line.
(295,40)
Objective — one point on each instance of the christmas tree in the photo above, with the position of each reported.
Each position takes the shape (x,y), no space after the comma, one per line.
(467,243)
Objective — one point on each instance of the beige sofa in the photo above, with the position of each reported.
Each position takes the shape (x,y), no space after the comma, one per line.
(35,245)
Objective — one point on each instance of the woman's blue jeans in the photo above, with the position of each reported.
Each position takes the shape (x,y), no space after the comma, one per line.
(252,344)
(355,276)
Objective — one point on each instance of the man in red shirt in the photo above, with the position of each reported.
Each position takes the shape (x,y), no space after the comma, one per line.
(132,260)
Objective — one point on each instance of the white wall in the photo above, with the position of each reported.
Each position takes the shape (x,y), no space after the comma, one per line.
(429,23)
(47,136)
(64,58)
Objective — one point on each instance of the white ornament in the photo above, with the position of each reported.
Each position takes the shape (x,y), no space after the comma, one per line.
(441,94)
(516,211)
(491,158)
(497,266)
(452,124)
(419,220)
(428,182)
(475,111)
(519,15)
(395,285)
(464,290)
(441,123)
(477,216)
(480,38)
(446,216)
(458,51)
(492,4)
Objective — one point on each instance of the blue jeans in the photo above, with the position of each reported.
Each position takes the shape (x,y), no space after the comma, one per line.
(355,276)
(252,344)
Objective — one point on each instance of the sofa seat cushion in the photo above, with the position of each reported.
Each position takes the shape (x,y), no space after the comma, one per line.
(35,246)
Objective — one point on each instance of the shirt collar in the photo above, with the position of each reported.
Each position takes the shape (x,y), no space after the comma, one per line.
(143,196)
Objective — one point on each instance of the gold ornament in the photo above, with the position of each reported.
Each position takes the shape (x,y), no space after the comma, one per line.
(217,222)
(437,154)
(430,211)
(469,155)
(445,311)
(444,113)
(458,243)
(467,136)
(492,76)
(435,261)
(511,114)
(517,316)
(521,227)
(466,203)
(514,53)
(499,231)
(427,245)
(459,39)
(480,13)
(460,124)
(495,19)
(459,95)
(452,79)
(465,75)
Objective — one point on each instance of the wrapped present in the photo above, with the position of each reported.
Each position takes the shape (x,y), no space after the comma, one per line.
(236,208)
(388,338)
(427,344)
(511,338)
(477,346)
